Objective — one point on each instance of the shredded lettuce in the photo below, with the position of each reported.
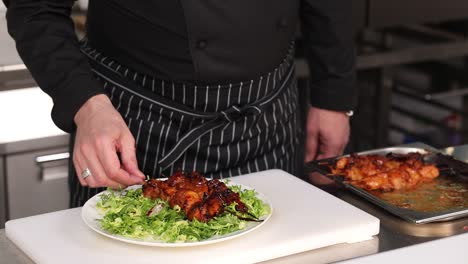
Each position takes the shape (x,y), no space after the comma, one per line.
(125,214)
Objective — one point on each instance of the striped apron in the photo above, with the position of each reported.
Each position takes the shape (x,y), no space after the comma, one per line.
(219,130)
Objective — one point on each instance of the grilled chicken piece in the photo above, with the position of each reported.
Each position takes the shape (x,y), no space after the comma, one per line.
(185,199)
(154,189)
(385,173)
(198,197)
(205,211)
(429,172)
(228,196)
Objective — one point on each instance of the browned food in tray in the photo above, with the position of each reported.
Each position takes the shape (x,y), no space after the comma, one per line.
(198,197)
(440,195)
(416,184)
(447,192)
(385,172)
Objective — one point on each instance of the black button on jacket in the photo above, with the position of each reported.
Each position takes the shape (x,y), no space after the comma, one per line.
(203,41)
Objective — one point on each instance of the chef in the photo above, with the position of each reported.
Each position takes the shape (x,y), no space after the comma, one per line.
(208,86)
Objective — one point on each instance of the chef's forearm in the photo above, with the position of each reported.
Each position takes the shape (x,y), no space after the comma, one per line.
(46,42)
(328,34)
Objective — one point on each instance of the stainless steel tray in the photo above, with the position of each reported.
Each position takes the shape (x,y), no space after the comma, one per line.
(414,216)
(402,226)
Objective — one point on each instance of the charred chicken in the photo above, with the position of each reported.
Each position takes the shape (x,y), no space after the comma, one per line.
(385,173)
(198,197)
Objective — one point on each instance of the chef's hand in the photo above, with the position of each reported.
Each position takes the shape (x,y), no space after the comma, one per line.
(327,133)
(102,134)
(327,136)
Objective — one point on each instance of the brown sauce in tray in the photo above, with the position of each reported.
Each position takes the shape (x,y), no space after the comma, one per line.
(443,194)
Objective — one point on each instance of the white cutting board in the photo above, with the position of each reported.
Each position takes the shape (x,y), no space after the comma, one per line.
(304,218)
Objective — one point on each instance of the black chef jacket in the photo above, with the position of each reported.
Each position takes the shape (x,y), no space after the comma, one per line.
(203,41)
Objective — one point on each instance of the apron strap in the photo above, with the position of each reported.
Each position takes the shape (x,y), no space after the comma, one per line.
(214,120)
(221,119)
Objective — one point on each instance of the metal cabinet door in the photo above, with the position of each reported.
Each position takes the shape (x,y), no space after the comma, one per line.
(37,182)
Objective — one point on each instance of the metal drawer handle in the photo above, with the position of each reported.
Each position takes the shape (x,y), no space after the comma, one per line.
(15,67)
(52,171)
(52,157)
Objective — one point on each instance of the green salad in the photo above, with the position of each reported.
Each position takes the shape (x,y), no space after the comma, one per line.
(125,214)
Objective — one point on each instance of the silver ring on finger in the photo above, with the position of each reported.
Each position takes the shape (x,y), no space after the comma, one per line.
(86,173)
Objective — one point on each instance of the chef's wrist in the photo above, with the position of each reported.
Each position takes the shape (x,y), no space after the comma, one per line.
(347,113)
(91,105)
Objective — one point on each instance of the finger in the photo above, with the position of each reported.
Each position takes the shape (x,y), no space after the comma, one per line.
(330,149)
(111,164)
(311,149)
(91,180)
(311,145)
(312,136)
(77,163)
(320,180)
(327,154)
(98,177)
(128,155)
(333,147)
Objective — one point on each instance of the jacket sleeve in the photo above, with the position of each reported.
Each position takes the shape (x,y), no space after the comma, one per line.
(46,42)
(327,30)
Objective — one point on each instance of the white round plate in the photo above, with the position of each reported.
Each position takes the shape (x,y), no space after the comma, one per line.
(91,214)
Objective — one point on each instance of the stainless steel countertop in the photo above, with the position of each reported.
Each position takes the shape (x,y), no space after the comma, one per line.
(394,233)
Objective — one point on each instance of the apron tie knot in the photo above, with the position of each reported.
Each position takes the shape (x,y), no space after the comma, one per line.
(234,113)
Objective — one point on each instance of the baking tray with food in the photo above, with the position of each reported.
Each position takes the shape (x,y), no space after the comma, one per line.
(416,184)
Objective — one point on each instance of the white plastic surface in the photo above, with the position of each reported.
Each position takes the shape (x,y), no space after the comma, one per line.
(304,218)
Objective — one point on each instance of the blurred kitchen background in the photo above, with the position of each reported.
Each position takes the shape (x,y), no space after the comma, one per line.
(412,75)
